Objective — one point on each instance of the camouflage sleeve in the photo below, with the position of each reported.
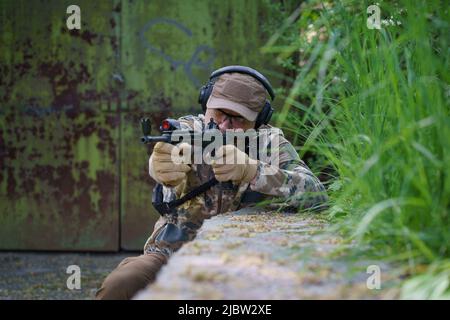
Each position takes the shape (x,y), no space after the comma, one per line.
(290,178)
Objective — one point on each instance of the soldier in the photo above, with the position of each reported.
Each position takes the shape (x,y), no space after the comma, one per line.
(235,98)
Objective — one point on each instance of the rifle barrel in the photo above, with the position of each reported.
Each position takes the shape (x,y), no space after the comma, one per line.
(150,139)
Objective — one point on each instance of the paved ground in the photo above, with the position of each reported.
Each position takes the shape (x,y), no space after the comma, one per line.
(43,275)
(266,256)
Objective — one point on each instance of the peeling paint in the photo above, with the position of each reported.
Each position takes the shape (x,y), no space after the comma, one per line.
(58,171)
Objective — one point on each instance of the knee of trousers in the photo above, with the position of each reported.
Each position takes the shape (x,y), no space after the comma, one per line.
(131,275)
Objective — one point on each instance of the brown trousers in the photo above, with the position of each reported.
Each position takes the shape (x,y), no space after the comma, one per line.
(130,276)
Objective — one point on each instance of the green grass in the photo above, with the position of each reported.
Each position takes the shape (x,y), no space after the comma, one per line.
(372,108)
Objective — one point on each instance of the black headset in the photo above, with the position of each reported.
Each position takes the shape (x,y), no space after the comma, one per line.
(264,115)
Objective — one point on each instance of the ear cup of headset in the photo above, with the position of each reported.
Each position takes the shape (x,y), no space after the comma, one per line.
(264,115)
(205,92)
(201,97)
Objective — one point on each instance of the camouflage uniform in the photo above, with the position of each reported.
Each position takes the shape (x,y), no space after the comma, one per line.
(292,180)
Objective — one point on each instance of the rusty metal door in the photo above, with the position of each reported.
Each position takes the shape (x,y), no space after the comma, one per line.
(73,175)
(59,127)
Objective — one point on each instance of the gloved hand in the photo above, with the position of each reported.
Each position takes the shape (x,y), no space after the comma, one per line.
(230,163)
(166,164)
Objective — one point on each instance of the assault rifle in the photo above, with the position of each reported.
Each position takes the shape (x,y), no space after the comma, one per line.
(171,132)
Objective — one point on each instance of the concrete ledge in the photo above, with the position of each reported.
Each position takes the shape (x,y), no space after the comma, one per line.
(252,254)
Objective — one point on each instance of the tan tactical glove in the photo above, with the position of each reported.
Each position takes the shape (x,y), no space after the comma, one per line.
(166,164)
(230,163)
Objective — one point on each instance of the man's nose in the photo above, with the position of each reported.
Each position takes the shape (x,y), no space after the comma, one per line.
(226,124)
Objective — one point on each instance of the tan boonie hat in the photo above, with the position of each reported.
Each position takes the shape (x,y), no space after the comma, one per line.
(238,92)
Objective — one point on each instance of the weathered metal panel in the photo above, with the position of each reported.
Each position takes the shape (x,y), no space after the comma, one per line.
(168,49)
(70,103)
(59,125)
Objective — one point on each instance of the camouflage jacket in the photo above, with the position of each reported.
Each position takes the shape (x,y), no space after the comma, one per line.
(291,181)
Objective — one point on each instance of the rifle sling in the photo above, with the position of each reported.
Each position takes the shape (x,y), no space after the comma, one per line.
(167,207)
